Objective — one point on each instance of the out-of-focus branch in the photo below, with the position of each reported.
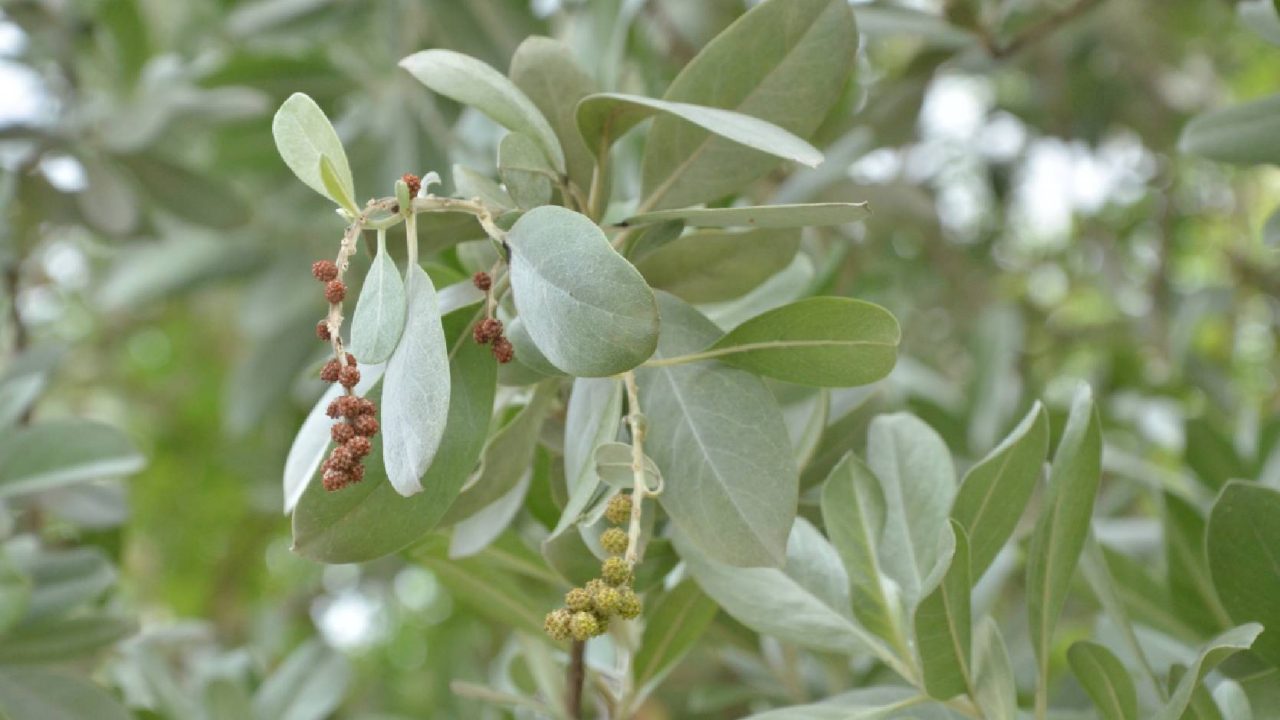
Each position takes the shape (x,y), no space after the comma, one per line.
(1037,31)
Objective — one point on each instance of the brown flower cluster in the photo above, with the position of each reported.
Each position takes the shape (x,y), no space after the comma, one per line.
(588,609)
(356,416)
(489,330)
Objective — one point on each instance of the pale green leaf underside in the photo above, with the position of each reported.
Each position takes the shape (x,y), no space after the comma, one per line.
(379,318)
(64,452)
(1247,134)
(524,170)
(761,216)
(613,465)
(593,417)
(303,136)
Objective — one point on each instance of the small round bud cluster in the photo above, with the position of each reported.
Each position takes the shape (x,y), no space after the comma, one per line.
(324,270)
(587,610)
(482,281)
(414,183)
(489,330)
(335,291)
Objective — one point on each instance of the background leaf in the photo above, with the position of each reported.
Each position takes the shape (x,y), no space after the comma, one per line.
(1243,544)
(762,216)
(38,693)
(1105,679)
(524,171)
(672,627)
(1245,133)
(995,690)
(546,71)
(713,266)
(1210,655)
(64,452)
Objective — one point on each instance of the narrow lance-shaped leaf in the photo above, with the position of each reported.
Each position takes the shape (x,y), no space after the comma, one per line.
(763,216)
(1190,582)
(1064,523)
(64,452)
(604,117)
(1244,558)
(1248,133)
(994,688)
(1105,679)
(1210,655)
(303,135)
(944,635)
(586,308)
(380,311)
(471,82)
(416,389)
(823,341)
(42,693)
(995,491)
(718,437)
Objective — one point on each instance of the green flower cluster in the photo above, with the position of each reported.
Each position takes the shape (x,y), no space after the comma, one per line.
(587,610)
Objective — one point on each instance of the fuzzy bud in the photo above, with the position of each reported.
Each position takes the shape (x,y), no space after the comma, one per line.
(614,541)
(414,183)
(577,600)
(607,601)
(503,351)
(488,330)
(322,330)
(629,606)
(557,624)
(358,446)
(366,425)
(342,432)
(341,459)
(335,408)
(482,281)
(357,473)
(349,376)
(584,625)
(324,270)
(335,291)
(619,509)
(616,571)
(346,406)
(336,480)
(330,372)
(365,406)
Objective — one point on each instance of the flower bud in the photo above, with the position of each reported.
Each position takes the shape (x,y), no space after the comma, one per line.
(584,625)
(616,571)
(482,281)
(335,291)
(614,541)
(607,601)
(557,624)
(349,376)
(324,270)
(619,509)
(577,600)
(629,606)
(503,350)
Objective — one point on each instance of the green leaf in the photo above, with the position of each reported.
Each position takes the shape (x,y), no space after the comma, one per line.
(1244,558)
(188,194)
(471,82)
(546,71)
(39,694)
(1247,134)
(15,592)
(1232,700)
(63,640)
(672,626)
(801,53)
(303,135)
(712,266)
(370,519)
(415,396)
(853,511)
(308,685)
(479,529)
(604,117)
(471,184)
(333,185)
(1210,655)
(1105,679)
(379,318)
(108,202)
(764,216)
(63,452)
(718,437)
(24,379)
(995,491)
(1063,525)
(893,20)
(586,308)
(805,602)
(918,481)
(507,456)
(524,171)
(1190,583)
(944,634)
(613,465)
(592,419)
(994,688)
(822,341)
(871,703)
(62,581)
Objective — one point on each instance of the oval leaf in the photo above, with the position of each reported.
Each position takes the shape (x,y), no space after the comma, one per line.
(824,341)
(1243,546)
(64,452)
(585,307)
(378,321)
(415,394)
(718,436)
(303,135)
(1247,134)
(471,82)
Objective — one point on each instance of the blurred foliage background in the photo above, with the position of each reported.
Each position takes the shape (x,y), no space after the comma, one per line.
(1034,223)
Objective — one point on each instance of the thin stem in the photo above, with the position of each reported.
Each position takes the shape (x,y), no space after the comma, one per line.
(1042,691)
(1040,30)
(410,239)
(21,338)
(596,199)
(635,419)
(577,675)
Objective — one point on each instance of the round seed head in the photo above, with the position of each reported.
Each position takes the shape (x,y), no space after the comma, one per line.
(619,509)
(557,624)
(616,571)
(614,541)
(629,606)
(577,600)
(584,625)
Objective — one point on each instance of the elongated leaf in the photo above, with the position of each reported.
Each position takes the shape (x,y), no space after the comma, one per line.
(506,457)
(63,452)
(23,380)
(64,640)
(308,685)
(416,389)
(764,216)
(303,135)
(944,634)
(718,437)
(586,308)
(1230,695)
(1063,525)
(604,117)
(1190,582)
(865,704)
(1247,134)
(312,441)
(1244,559)
(995,491)
(471,82)
(546,71)
(994,688)
(481,528)
(333,186)
(524,171)
(1210,655)
(801,53)
(824,341)
(370,519)
(189,194)
(805,602)
(471,184)
(593,417)
(918,480)
(613,465)
(15,592)
(64,580)
(713,266)
(50,695)
(1105,679)
(672,626)
(379,318)
(853,511)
